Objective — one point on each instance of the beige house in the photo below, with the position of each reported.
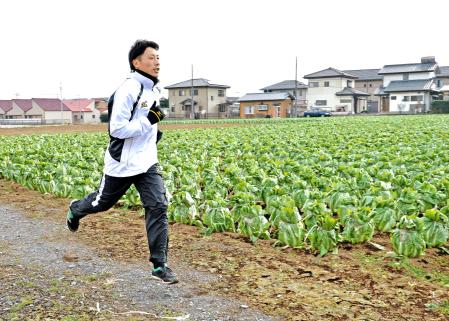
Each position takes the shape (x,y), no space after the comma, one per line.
(30,111)
(209,100)
(333,90)
(368,81)
(5,106)
(83,111)
(55,111)
(266,105)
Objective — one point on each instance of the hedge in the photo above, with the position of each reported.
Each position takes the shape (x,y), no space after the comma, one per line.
(440,107)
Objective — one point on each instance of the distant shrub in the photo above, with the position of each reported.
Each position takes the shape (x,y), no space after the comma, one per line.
(440,107)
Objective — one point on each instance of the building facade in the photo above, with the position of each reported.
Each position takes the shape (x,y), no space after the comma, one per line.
(266,105)
(209,100)
(409,88)
(296,89)
(333,90)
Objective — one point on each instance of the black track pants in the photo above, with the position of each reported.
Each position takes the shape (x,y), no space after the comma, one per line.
(152,194)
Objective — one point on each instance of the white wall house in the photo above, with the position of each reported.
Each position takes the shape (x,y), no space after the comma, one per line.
(333,90)
(410,87)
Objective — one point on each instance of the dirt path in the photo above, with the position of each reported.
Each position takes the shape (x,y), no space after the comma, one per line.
(43,258)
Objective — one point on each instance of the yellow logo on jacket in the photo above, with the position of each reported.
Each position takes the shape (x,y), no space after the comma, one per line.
(144,104)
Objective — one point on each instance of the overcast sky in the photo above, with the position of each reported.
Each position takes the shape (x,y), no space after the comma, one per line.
(245,44)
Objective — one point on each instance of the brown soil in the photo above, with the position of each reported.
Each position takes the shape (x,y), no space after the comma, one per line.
(58,129)
(360,282)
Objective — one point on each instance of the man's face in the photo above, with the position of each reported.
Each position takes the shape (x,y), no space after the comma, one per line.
(148,62)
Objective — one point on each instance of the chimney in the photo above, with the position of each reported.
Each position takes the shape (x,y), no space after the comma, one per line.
(428,60)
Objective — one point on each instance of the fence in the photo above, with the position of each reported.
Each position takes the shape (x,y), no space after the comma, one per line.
(31,122)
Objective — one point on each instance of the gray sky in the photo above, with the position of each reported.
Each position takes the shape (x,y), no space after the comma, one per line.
(245,44)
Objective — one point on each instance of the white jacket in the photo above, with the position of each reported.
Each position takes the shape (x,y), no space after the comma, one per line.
(134,147)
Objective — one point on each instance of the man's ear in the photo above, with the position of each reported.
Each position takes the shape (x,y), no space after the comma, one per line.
(136,63)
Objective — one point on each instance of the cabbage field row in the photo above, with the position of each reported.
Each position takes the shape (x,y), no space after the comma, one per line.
(307,183)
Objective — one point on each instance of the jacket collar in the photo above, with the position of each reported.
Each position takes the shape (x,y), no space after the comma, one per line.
(145,79)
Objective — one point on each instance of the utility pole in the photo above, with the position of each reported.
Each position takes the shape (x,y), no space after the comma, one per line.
(60,92)
(296,87)
(192,107)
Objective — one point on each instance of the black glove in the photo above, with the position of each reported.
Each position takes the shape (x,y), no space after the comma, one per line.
(158,136)
(155,115)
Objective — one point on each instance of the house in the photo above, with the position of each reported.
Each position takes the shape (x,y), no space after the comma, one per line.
(5,106)
(11,110)
(333,90)
(29,111)
(368,80)
(409,87)
(259,105)
(443,76)
(83,111)
(293,87)
(444,91)
(55,111)
(208,99)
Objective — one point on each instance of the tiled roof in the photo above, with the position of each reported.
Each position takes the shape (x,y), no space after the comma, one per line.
(286,84)
(6,105)
(265,96)
(200,82)
(78,105)
(351,92)
(408,68)
(24,104)
(444,71)
(365,74)
(329,73)
(409,85)
(50,104)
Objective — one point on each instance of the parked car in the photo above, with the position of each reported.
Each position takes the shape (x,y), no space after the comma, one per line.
(316,112)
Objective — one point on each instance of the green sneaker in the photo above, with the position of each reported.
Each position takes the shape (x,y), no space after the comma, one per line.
(164,274)
(72,222)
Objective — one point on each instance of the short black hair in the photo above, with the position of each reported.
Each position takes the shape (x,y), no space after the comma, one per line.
(138,48)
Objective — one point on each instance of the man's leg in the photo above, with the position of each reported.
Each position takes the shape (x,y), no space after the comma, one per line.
(152,194)
(110,191)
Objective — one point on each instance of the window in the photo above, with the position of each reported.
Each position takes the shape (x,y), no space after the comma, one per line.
(172,109)
(262,107)
(417,98)
(93,116)
(182,93)
(195,92)
(371,85)
(406,98)
(404,76)
(364,85)
(321,102)
(393,97)
(220,93)
(326,84)
(82,117)
(249,110)
(222,108)
(314,84)
(346,101)
(212,98)
(349,83)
